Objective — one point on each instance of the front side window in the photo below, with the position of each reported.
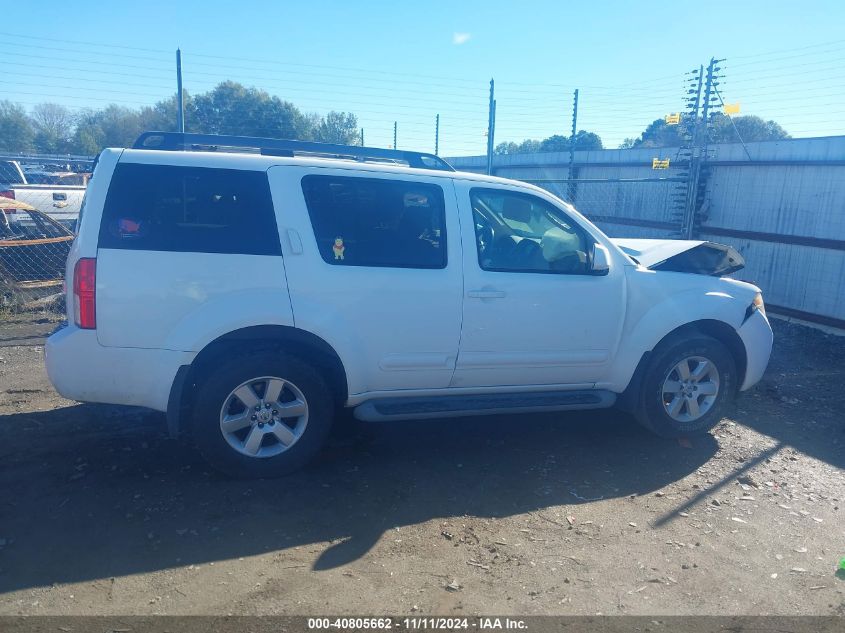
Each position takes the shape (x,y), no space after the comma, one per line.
(189,209)
(518,232)
(376,222)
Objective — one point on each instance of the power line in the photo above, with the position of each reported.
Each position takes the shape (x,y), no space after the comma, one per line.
(51,39)
(787,50)
(190,54)
(767,62)
(85,79)
(803,72)
(141,94)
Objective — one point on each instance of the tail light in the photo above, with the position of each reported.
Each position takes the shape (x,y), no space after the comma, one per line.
(85,293)
(8,193)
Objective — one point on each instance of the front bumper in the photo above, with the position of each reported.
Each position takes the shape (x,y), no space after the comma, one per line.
(81,369)
(756,335)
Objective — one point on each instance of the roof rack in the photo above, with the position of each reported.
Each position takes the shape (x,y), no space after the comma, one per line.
(177,141)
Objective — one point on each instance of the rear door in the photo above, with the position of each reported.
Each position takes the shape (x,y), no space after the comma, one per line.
(374,268)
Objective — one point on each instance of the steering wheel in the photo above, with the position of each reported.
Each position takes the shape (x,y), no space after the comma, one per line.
(484,235)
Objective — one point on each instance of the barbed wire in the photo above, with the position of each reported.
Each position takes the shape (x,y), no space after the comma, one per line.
(82,79)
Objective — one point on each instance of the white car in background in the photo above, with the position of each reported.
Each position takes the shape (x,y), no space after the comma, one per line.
(249,287)
(56,194)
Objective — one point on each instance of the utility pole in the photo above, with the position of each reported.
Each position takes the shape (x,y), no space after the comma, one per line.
(436,135)
(570,174)
(180,105)
(694,156)
(362,137)
(708,90)
(696,105)
(701,133)
(394,135)
(491,122)
(494,126)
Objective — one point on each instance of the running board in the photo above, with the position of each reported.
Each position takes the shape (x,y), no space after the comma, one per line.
(481,404)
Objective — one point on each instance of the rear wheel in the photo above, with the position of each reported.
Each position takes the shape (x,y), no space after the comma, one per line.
(262,415)
(688,387)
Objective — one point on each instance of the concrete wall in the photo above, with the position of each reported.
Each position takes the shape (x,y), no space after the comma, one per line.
(783,208)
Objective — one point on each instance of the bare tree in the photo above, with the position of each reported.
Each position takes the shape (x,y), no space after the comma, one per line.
(53,124)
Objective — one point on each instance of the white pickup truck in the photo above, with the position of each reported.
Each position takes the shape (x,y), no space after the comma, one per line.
(58,200)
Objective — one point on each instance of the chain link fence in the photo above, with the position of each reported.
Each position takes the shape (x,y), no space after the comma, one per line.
(40,199)
(625,207)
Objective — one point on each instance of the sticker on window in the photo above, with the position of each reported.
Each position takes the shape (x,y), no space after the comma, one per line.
(338,248)
(128,228)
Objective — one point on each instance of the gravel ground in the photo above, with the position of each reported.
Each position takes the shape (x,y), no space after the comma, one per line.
(577,513)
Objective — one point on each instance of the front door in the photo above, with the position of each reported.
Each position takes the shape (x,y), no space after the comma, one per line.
(533,312)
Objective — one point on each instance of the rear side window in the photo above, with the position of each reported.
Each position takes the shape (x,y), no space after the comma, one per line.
(190,209)
(375,222)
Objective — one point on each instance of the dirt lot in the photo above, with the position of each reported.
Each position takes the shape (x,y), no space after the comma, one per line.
(101,513)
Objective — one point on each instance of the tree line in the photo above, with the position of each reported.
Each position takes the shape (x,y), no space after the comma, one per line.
(231,108)
(722,129)
(556,143)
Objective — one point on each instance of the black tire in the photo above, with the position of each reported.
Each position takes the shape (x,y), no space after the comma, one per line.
(651,411)
(214,390)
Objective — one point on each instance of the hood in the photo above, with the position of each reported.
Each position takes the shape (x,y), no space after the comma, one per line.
(683,256)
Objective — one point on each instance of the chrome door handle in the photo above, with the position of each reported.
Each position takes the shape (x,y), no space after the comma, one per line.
(486,294)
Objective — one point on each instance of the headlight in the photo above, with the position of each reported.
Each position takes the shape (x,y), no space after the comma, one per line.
(758,303)
(756,306)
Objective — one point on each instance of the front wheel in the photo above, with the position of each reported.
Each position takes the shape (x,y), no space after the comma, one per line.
(688,387)
(262,415)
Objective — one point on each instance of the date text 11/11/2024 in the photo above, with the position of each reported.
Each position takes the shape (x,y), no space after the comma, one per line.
(418,623)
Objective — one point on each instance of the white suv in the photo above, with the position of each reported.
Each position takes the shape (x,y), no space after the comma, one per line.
(250,287)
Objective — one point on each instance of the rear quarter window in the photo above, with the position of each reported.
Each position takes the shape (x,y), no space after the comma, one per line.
(189,209)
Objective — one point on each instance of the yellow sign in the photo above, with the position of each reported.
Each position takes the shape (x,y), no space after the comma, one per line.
(731,108)
(660,163)
(672,119)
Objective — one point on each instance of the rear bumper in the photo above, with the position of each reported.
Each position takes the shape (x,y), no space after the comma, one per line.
(81,369)
(756,335)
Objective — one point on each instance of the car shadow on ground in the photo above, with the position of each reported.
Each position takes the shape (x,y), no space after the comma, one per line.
(796,405)
(798,402)
(93,491)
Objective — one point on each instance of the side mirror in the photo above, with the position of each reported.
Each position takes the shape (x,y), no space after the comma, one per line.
(600,260)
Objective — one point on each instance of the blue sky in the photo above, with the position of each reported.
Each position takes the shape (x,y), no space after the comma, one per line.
(406,62)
